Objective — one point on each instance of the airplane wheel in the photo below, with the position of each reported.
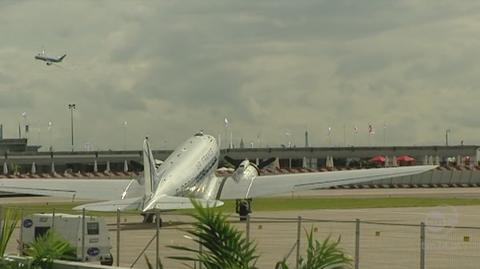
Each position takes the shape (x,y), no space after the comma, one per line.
(148,217)
(244,209)
(160,224)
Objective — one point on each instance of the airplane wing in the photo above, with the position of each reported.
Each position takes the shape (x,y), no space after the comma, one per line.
(277,184)
(98,189)
(135,203)
(164,202)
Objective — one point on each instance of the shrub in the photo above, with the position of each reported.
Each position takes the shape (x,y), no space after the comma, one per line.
(223,246)
(47,248)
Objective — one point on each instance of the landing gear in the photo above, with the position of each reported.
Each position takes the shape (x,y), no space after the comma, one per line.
(160,222)
(150,218)
(243,208)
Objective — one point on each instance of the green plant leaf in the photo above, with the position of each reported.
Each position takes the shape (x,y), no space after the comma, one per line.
(223,246)
(49,247)
(9,221)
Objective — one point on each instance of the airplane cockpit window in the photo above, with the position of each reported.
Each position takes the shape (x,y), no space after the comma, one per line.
(198,134)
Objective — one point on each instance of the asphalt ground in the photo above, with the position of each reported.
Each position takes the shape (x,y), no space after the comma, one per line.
(389,237)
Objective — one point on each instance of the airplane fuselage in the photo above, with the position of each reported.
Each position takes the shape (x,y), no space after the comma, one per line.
(190,169)
(48,60)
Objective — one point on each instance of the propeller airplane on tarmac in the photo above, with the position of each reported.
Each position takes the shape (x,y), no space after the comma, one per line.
(190,173)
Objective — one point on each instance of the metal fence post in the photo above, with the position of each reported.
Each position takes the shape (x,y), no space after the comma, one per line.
(157,248)
(20,244)
(83,234)
(357,244)
(53,219)
(247,228)
(422,245)
(299,230)
(200,249)
(118,238)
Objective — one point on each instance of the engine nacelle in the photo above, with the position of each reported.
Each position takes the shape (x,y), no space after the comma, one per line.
(245,171)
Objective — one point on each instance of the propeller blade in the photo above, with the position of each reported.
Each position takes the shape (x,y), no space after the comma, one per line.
(265,163)
(232,161)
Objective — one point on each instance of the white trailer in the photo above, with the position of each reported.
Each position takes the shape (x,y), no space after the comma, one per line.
(95,239)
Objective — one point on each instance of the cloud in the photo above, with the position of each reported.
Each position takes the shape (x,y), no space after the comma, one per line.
(170,69)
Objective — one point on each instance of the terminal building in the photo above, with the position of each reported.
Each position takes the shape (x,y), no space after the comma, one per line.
(15,145)
(18,159)
(458,165)
(24,158)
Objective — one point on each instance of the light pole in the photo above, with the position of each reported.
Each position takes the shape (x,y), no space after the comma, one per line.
(125,123)
(289,141)
(71,107)
(446,136)
(50,132)
(329,136)
(226,134)
(24,116)
(384,134)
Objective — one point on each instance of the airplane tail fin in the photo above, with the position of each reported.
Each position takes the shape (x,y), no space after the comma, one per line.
(61,58)
(149,170)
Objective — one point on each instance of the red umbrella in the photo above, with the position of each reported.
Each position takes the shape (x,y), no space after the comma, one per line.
(405,158)
(377,159)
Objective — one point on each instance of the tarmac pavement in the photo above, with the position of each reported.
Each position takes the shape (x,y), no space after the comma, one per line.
(389,237)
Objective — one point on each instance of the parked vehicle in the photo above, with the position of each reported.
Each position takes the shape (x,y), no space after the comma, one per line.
(92,234)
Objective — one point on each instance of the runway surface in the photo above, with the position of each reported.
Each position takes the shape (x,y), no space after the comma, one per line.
(381,245)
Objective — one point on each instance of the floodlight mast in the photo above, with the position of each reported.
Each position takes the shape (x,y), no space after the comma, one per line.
(71,107)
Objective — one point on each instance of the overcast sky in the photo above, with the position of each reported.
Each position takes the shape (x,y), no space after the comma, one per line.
(273,68)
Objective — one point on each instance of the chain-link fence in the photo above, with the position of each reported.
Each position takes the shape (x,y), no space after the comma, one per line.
(431,244)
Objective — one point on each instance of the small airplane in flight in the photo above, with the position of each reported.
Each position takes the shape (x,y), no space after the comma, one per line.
(49,60)
(190,173)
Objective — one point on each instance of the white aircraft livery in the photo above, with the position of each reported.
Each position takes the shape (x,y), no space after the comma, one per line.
(189,173)
(48,59)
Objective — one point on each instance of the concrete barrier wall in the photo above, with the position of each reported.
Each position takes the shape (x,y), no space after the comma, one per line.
(79,265)
(463,177)
(475,177)
(444,177)
(420,179)
(435,174)
(71,265)
(466,176)
(456,177)
(406,180)
(433,178)
(383,182)
(426,179)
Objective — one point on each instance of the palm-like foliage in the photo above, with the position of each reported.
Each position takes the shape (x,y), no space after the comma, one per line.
(322,255)
(47,248)
(151,266)
(9,221)
(223,246)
